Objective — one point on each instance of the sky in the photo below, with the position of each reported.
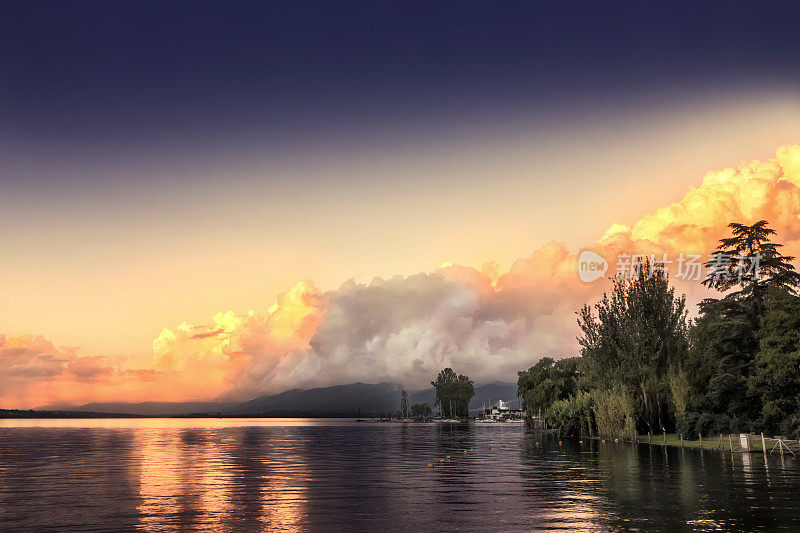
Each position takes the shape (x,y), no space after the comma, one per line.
(255,197)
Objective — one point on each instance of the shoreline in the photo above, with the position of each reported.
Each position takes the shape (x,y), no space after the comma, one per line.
(721,442)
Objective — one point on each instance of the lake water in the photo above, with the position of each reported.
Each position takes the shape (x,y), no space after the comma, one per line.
(279,474)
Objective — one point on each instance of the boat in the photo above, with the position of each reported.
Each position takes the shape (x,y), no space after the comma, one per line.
(485,419)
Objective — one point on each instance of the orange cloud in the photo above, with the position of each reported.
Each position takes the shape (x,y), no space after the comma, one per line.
(33,371)
(483,322)
(756,190)
(237,355)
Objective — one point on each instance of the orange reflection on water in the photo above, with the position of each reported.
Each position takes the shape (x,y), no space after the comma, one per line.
(179,480)
(203,478)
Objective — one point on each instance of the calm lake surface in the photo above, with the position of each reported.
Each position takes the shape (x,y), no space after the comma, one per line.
(279,474)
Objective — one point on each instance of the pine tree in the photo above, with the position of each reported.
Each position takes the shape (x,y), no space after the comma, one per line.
(750,261)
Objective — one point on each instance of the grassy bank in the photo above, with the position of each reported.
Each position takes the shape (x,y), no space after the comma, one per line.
(709,443)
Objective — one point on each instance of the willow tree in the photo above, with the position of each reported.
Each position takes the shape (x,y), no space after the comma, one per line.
(547,382)
(632,338)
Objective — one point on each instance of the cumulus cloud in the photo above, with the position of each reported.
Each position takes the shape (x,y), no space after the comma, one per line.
(241,355)
(482,322)
(756,190)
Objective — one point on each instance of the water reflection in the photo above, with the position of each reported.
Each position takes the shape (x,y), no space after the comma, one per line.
(251,475)
(183,479)
(245,478)
(71,479)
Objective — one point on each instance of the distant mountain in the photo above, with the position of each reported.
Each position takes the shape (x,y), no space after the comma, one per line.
(342,400)
(491,392)
(355,399)
(31,413)
(151,408)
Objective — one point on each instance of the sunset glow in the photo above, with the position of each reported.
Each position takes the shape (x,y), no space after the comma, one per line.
(219,221)
(402,326)
(382,266)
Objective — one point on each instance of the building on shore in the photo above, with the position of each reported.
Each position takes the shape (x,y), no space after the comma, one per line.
(502,412)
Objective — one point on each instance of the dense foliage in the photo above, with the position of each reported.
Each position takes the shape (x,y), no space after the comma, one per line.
(644,367)
(421,411)
(547,382)
(453,393)
(631,340)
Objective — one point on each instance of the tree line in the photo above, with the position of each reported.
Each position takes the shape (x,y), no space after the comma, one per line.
(453,394)
(644,366)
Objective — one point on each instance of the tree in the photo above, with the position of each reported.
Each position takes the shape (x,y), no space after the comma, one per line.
(630,340)
(573,415)
(453,393)
(403,404)
(723,344)
(615,413)
(421,411)
(730,363)
(546,382)
(679,388)
(750,261)
(775,377)
(736,368)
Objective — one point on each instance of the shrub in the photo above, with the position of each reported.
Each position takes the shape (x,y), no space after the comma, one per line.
(615,414)
(573,416)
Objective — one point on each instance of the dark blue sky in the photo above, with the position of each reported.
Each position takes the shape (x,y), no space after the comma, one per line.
(186,75)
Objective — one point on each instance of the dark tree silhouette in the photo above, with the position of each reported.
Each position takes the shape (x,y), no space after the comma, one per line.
(403,404)
(453,393)
(750,261)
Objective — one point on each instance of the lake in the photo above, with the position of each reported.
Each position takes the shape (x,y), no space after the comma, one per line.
(303,474)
